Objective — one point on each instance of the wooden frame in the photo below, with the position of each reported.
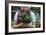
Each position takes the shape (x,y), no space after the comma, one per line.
(6,16)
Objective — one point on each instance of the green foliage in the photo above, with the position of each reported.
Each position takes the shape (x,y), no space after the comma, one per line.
(37,25)
(15,7)
(12,15)
(26,18)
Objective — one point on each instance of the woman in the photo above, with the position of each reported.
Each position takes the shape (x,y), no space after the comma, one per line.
(18,20)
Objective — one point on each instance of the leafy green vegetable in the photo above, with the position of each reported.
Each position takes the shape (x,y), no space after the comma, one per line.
(26,18)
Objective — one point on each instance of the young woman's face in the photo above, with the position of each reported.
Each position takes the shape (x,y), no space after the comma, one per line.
(25,8)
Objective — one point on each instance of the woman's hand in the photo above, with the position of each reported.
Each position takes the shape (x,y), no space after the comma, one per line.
(18,25)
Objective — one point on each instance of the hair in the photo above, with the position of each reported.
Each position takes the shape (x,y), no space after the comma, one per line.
(26,12)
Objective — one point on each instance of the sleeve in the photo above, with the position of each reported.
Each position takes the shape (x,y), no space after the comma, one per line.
(33,17)
(15,17)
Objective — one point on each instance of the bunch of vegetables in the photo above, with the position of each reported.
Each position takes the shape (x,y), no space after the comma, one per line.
(26,18)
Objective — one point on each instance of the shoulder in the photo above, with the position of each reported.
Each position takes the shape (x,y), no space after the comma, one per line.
(17,11)
(32,13)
